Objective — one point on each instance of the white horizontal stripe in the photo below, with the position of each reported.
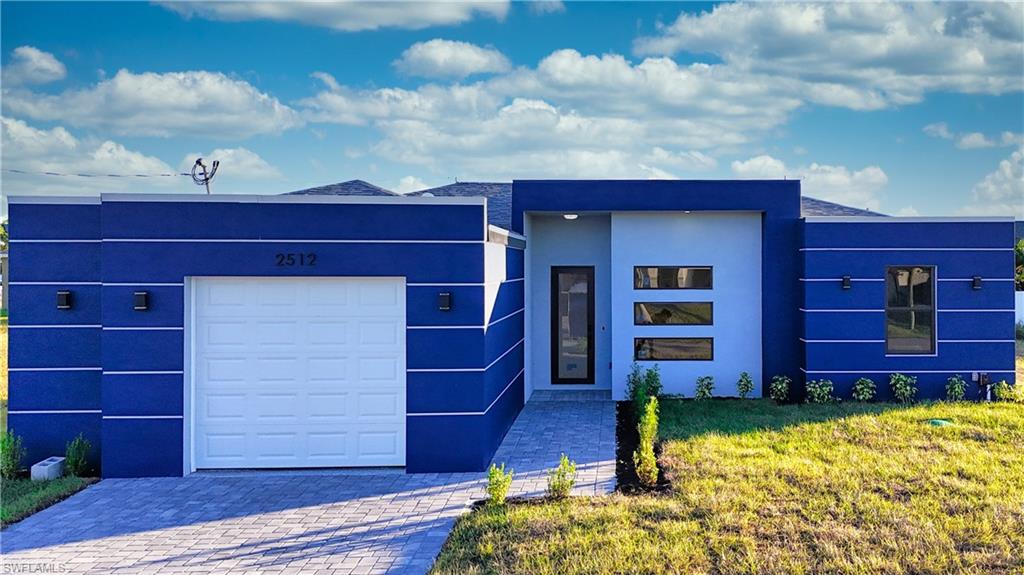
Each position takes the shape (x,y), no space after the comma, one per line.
(467,369)
(143,372)
(444,327)
(55,369)
(126,284)
(277,241)
(905,220)
(56,325)
(500,319)
(842,340)
(295,199)
(906,249)
(464,284)
(841,279)
(484,412)
(141,328)
(54,283)
(978,310)
(142,417)
(911,370)
(899,355)
(976,341)
(68,241)
(972,279)
(843,310)
(51,411)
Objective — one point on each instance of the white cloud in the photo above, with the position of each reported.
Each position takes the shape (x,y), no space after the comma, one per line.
(410,184)
(546,6)
(235,163)
(973,141)
(1000,193)
(30,65)
(150,104)
(29,149)
(860,55)
(938,130)
(858,189)
(690,160)
(347,16)
(450,59)
(907,212)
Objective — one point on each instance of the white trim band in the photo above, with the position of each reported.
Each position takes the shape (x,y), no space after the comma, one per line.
(55,369)
(143,417)
(911,370)
(54,241)
(278,241)
(905,220)
(906,249)
(142,328)
(464,284)
(842,310)
(127,284)
(1011,310)
(56,325)
(57,283)
(501,319)
(52,411)
(154,372)
(839,279)
(901,354)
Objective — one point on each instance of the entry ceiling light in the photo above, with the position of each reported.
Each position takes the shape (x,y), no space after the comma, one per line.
(570,216)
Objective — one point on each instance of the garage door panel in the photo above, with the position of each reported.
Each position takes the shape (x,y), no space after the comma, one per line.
(302,372)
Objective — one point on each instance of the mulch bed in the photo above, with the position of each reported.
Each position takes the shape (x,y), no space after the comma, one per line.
(627,440)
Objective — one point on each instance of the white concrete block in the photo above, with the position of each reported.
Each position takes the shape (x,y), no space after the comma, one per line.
(49,468)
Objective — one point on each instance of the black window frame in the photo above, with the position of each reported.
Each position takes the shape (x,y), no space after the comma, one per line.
(933,308)
(711,283)
(709,338)
(710,304)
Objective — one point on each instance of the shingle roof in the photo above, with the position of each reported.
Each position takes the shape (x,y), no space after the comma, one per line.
(499,198)
(349,188)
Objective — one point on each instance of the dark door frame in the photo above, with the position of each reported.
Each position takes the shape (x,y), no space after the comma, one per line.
(588,271)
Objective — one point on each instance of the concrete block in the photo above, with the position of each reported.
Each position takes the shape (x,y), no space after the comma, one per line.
(49,468)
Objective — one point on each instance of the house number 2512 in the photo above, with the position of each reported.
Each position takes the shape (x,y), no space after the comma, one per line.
(289,260)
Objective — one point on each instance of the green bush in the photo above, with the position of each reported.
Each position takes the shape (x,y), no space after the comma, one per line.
(644,459)
(76,456)
(819,391)
(705,387)
(863,389)
(642,384)
(778,389)
(635,382)
(562,478)
(903,387)
(956,388)
(12,451)
(652,382)
(745,385)
(1005,392)
(498,482)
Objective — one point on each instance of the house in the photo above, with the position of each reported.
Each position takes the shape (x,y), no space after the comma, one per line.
(184,332)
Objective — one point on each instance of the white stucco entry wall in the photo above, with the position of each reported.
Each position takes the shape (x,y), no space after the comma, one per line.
(731,244)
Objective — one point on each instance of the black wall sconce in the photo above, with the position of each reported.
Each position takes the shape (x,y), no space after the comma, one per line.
(976,282)
(847,282)
(141,300)
(444,301)
(63,299)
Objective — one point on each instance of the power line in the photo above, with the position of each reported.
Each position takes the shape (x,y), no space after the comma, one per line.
(79,175)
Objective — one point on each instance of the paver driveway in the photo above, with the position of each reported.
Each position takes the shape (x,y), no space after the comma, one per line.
(313,522)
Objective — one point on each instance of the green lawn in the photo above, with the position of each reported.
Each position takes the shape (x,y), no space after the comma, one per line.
(20,498)
(766,489)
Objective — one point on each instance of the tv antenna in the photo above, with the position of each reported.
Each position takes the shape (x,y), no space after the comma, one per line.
(200,176)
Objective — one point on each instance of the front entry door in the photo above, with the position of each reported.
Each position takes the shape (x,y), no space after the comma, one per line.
(572,324)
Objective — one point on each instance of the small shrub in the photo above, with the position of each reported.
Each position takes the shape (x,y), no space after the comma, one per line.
(819,391)
(12,451)
(1005,392)
(1019,330)
(956,388)
(635,382)
(778,389)
(562,478)
(644,459)
(641,384)
(745,385)
(863,389)
(652,382)
(498,482)
(903,387)
(705,387)
(76,456)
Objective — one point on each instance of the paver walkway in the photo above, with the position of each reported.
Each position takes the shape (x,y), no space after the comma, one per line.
(347,522)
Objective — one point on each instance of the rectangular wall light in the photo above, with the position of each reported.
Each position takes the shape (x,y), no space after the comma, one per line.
(141,300)
(444,301)
(976,282)
(63,299)
(847,282)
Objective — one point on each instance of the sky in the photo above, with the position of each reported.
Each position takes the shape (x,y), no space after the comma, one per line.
(905,108)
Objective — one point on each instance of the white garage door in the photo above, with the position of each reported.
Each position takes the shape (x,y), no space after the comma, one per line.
(299,372)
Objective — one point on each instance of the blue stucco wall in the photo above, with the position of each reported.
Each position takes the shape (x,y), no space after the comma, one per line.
(118,375)
(844,330)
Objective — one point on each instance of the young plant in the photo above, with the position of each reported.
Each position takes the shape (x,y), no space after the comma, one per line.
(1003,391)
(956,388)
(76,454)
(778,389)
(644,459)
(819,391)
(652,382)
(12,451)
(635,383)
(745,385)
(498,482)
(562,478)
(904,387)
(705,387)
(864,389)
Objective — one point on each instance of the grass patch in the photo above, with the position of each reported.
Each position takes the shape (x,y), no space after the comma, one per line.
(767,489)
(20,498)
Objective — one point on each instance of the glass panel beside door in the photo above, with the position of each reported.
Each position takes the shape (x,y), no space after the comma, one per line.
(572,324)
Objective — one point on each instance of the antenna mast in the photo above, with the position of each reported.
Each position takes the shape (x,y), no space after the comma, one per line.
(200,176)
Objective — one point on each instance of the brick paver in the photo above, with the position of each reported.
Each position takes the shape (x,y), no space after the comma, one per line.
(323,523)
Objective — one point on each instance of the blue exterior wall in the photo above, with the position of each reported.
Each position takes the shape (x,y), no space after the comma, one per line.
(118,375)
(844,330)
(778,201)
